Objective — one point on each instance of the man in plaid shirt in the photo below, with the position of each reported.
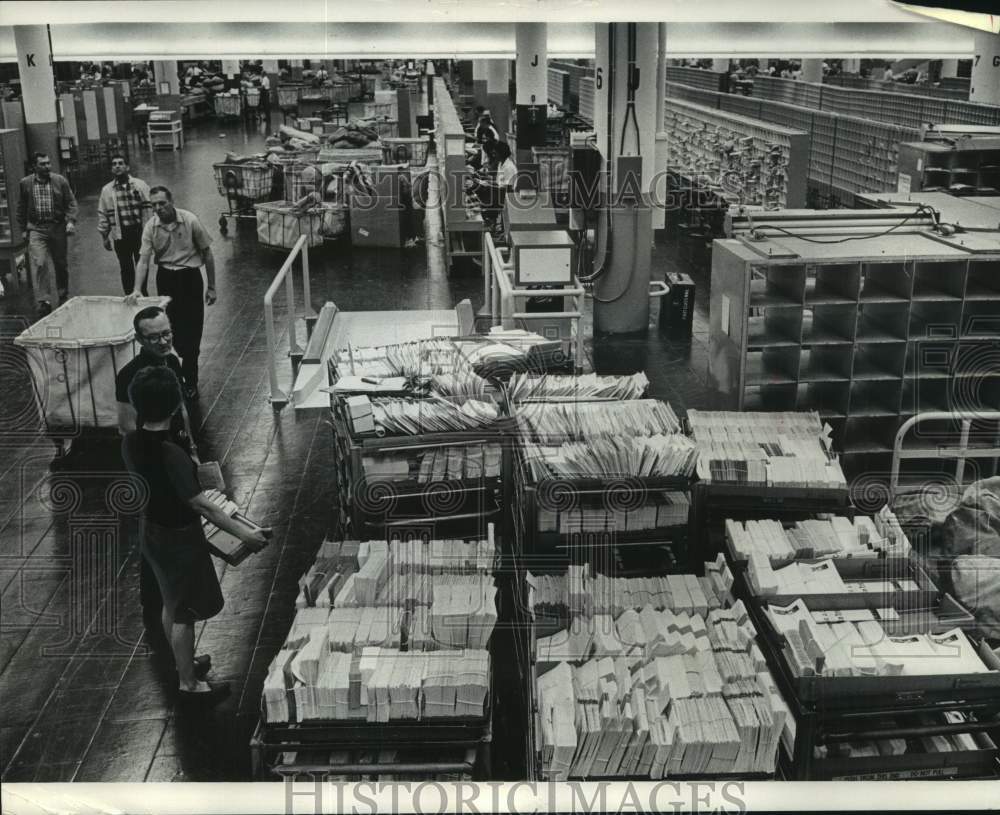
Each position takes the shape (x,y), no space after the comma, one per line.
(122,211)
(46,213)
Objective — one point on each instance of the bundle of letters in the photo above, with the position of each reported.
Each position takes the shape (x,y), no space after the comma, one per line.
(802,577)
(452,577)
(457,463)
(658,510)
(436,364)
(587,421)
(579,594)
(524,387)
(656,694)
(410,619)
(776,449)
(831,536)
(853,642)
(410,360)
(610,457)
(372,684)
(511,349)
(408,417)
(223,503)
(942,743)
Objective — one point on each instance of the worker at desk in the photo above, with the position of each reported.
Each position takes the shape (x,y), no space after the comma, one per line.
(492,185)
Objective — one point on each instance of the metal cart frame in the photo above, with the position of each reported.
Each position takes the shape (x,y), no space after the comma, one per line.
(240,197)
(961,451)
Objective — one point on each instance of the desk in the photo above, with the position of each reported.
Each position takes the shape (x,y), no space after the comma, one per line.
(165,134)
(140,118)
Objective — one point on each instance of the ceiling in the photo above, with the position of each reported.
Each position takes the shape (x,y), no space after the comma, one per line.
(216,40)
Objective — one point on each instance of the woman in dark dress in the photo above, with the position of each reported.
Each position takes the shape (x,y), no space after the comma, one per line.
(173,541)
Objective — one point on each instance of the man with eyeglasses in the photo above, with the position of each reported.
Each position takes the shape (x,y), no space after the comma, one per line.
(155,338)
(179,245)
(121,212)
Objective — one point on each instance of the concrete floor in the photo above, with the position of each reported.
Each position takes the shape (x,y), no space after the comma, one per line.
(83,700)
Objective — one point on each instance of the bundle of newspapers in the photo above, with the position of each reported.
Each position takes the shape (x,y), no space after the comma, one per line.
(655,692)
(833,536)
(386,631)
(776,449)
(525,386)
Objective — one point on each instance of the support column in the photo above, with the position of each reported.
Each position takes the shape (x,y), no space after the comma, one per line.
(660,167)
(812,70)
(479,81)
(532,86)
(949,68)
(429,73)
(498,94)
(270,67)
(621,293)
(985,84)
(166,71)
(34,67)
(851,66)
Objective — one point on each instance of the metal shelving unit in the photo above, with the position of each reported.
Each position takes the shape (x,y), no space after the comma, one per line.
(755,163)
(867,333)
(12,168)
(965,167)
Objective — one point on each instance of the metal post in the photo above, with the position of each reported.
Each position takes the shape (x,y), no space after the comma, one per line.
(306,286)
(278,397)
(293,345)
(487,275)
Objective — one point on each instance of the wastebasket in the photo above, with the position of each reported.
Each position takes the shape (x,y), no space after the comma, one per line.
(677,308)
(74,355)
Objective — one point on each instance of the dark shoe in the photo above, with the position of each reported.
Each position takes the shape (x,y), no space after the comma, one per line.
(44,309)
(216,693)
(191,392)
(63,297)
(202,665)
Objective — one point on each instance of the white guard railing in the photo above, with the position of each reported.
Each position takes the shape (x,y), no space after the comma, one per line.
(278,397)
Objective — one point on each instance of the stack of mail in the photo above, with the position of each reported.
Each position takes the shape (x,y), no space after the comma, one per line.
(404,417)
(586,421)
(463,613)
(525,386)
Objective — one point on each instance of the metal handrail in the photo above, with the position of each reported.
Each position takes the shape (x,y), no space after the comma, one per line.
(960,451)
(278,397)
(504,292)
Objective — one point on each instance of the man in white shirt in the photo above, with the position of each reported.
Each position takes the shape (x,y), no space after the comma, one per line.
(265,96)
(179,245)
